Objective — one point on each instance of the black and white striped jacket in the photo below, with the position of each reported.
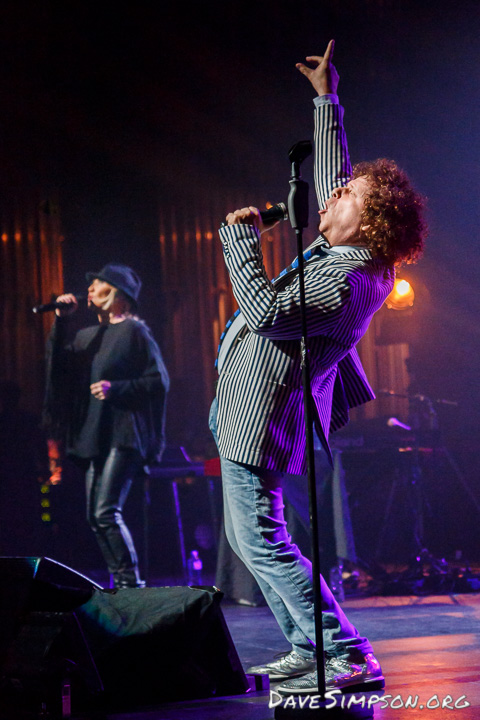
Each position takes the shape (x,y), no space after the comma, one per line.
(260,398)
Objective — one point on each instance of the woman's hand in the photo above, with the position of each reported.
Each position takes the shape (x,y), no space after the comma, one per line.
(101,389)
(71,304)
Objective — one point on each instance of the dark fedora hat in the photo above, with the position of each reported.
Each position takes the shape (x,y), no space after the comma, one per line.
(121,277)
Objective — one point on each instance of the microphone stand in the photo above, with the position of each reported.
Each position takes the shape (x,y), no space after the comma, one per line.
(298,215)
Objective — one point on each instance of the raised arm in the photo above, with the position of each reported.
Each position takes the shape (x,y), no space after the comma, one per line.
(332,162)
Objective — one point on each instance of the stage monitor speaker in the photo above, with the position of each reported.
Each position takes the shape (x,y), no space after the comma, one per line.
(121,649)
(154,645)
(35,584)
(43,651)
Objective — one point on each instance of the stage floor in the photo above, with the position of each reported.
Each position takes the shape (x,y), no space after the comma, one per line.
(428,646)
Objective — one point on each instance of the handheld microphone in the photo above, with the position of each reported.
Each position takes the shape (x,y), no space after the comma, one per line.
(273,214)
(47,307)
(276,212)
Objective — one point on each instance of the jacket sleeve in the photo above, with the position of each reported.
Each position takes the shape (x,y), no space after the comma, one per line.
(58,385)
(332,165)
(276,313)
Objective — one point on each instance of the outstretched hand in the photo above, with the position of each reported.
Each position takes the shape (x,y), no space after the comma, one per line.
(324,76)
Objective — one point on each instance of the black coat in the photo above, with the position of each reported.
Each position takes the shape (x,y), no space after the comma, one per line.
(133,415)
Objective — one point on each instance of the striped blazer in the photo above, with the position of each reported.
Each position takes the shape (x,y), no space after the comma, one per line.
(259,391)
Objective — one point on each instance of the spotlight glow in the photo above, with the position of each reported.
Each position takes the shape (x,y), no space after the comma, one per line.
(401,297)
(403,287)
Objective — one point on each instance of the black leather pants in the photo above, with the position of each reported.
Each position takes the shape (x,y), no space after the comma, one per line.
(108,482)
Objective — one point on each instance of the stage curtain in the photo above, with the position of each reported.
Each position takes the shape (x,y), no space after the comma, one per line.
(31,272)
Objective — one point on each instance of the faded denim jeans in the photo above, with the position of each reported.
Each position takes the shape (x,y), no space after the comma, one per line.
(256,530)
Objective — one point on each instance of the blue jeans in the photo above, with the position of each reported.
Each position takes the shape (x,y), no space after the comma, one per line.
(256,530)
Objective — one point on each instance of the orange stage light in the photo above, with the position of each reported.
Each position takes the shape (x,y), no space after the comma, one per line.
(402,295)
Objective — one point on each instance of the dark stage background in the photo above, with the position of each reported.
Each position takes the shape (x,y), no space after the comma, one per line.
(133,117)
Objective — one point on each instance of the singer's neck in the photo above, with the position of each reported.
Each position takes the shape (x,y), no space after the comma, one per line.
(111,318)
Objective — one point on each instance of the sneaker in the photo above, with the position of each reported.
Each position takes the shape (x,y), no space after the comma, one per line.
(290,665)
(339,673)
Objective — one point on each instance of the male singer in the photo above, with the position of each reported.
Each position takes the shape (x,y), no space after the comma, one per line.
(370,220)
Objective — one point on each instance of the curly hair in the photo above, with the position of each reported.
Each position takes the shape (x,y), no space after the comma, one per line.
(393,212)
